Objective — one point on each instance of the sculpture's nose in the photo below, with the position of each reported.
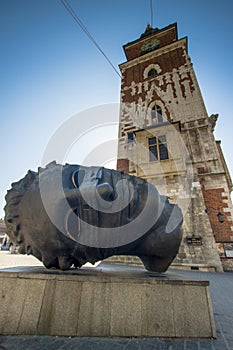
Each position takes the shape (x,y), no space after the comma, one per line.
(104,190)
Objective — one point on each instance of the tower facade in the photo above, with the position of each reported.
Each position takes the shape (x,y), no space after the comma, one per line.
(166,136)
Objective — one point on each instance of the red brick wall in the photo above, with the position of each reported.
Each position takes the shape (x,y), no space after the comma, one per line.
(165,36)
(123,165)
(167,61)
(214,204)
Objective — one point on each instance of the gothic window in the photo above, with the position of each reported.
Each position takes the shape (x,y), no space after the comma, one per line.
(152,72)
(156,115)
(158,148)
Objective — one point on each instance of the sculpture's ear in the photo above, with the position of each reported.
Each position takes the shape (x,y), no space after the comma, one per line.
(77,178)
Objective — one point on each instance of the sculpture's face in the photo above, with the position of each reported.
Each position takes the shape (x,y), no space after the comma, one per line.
(67,215)
(69,206)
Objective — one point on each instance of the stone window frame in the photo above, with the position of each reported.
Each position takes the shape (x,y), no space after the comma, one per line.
(154,66)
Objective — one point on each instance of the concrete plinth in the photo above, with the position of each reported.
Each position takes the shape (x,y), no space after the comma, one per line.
(106,301)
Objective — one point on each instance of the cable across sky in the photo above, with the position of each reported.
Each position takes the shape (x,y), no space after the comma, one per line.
(151,13)
(85,30)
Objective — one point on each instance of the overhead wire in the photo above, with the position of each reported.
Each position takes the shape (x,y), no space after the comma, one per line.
(151,12)
(85,30)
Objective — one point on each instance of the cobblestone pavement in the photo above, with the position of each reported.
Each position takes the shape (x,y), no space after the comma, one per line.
(221,286)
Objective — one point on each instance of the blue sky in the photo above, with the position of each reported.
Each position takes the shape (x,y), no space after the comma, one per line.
(50,70)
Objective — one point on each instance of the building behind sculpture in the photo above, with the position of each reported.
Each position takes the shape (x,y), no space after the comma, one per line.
(2,231)
(167,137)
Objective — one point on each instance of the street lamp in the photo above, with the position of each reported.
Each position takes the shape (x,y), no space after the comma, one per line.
(219,215)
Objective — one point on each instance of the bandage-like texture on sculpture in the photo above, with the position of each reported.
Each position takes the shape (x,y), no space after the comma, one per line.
(67,215)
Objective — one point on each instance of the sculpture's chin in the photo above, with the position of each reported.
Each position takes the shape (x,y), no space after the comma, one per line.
(156,263)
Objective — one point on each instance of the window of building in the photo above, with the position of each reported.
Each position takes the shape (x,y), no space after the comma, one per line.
(152,72)
(130,136)
(156,114)
(153,149)
(163,152)
(158,148)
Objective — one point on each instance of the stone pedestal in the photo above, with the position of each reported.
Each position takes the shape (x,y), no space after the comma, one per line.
(104,301)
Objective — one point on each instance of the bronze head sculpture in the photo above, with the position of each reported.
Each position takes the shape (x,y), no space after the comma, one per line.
(67,215)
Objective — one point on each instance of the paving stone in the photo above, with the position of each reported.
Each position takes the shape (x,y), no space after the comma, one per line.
(76,344)
(176,344)
(11,343)
(191,345)
(230,344)
(56,344)
(31,342)
(203,343)
(2,347)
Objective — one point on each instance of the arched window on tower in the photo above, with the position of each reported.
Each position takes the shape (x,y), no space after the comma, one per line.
(156,115)
(152,72)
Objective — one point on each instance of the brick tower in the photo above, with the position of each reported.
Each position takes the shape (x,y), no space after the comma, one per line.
(166,136)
